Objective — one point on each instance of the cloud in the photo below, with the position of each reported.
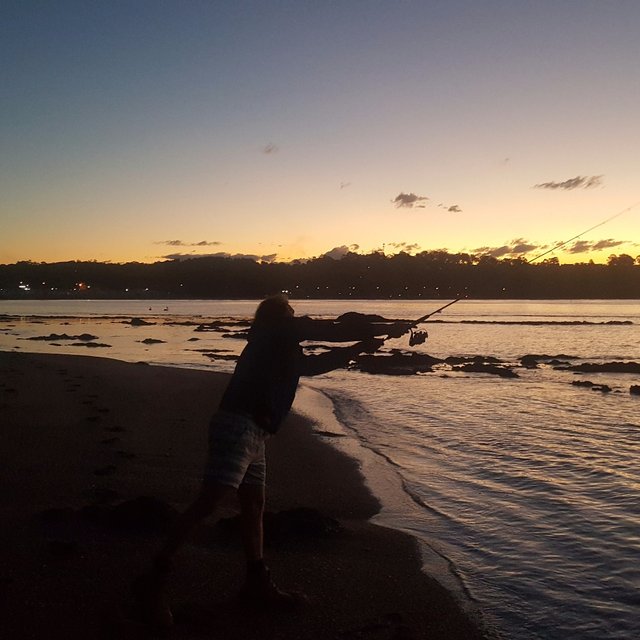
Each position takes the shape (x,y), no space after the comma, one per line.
(337,253)
(584,246)
(409,200)
(517,247)
(222,254)
(579,182)
(454,208)
(270,148)
(182,243)
(404,246)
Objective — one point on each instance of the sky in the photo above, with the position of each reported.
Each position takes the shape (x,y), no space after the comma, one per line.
(138,130)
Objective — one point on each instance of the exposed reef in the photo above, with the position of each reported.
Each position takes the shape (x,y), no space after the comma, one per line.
(401,363)
(397,363)
(84,337)
(603,367)
(138,322)
(531,361)
(91,345)
(605,388)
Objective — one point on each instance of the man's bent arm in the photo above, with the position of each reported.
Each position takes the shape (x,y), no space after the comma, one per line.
(334,331)
(336,358)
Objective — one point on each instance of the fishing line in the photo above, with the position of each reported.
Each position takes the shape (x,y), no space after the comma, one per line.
(421,336)
(595,226)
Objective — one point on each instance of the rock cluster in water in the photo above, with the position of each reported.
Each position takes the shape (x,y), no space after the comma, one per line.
(402,363)
(84,337)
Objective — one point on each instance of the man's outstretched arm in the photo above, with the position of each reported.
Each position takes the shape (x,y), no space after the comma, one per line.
(336,331)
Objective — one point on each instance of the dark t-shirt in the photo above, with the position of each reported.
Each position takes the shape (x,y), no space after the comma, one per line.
(263,385)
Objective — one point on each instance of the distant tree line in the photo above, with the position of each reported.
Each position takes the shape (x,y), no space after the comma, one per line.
(430,274)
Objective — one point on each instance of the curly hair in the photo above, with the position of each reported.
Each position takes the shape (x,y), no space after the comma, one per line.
(273,308)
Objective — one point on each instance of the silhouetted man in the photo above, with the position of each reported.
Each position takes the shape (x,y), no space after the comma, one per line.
(257,399)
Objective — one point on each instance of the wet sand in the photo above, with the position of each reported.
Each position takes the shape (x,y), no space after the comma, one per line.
(81,435)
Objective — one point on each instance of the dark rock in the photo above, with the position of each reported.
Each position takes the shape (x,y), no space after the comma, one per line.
(546,357)
(89,344)
(300,523)
(605,367)
(582,383)
(353,317)
(138,322)
(532,362)
(152,341)
(396,363)
(472,360)
(481,367)
(85,337)
(529,362)
(605,388)
(285,526)
(220,356)
(634,389)
(221,326)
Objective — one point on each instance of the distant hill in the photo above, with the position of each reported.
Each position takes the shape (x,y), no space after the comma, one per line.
(430,274)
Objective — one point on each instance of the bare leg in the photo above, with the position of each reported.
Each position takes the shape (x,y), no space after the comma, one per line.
(252,510)
(203,506)
(149,589)
(259,589)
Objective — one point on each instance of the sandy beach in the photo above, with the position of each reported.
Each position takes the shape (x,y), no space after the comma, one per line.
(97,455)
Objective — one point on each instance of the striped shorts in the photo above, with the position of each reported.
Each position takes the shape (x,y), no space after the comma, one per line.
(236,451)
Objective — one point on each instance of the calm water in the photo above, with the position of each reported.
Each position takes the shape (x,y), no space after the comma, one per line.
(528,487)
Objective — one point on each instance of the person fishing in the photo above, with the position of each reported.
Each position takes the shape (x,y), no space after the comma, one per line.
(258,397)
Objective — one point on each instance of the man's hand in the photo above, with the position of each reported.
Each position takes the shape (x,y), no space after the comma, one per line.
(370,345)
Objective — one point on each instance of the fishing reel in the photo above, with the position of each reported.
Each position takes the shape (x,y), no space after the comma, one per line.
(417,337)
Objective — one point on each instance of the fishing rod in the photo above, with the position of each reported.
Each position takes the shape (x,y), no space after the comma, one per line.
(419,337)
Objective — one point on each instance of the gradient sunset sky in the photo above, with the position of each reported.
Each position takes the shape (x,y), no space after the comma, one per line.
(138,130)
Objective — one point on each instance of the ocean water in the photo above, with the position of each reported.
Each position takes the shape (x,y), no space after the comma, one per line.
(524,492)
